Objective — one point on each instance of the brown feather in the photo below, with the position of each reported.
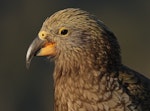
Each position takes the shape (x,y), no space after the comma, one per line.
(89,75)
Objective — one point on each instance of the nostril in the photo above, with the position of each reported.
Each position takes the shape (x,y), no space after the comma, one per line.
(43,35)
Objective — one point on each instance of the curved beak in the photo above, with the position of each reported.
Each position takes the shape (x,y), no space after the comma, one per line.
(39,48)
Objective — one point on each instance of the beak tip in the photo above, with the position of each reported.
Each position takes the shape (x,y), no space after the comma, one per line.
(27,65)
(29,57)
(28,61)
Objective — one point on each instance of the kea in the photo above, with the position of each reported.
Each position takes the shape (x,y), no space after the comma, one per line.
(88,73)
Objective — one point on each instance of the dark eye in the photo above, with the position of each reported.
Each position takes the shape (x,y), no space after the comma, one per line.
(64,32)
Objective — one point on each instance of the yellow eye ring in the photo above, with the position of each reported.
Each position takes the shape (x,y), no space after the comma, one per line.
(42,35)
(63,31)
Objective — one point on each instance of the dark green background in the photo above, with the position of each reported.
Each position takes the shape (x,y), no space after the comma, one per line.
(20,21)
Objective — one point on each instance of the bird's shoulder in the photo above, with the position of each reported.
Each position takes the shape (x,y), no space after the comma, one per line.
(136,85)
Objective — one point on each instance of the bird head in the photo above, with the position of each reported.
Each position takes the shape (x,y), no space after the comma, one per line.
(73,37)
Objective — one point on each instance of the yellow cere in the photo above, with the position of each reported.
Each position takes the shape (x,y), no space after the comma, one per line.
(42,35)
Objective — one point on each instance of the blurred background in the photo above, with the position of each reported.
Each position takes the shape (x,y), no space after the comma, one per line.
(20,21)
